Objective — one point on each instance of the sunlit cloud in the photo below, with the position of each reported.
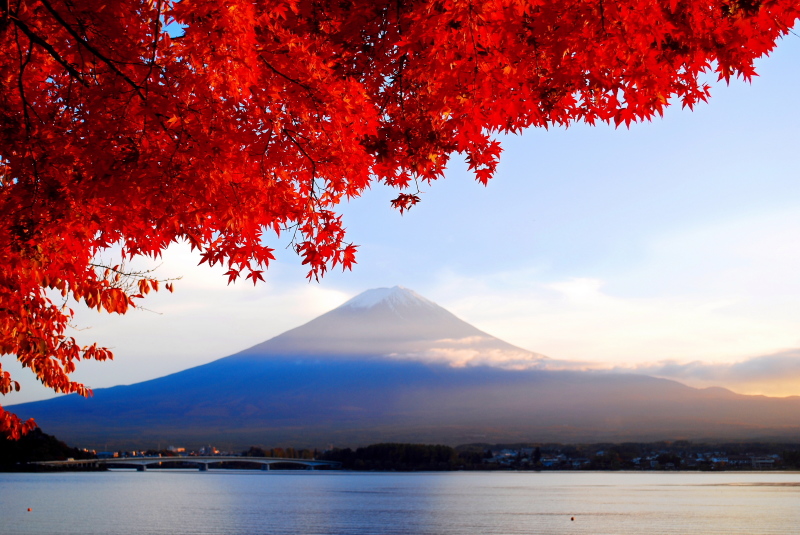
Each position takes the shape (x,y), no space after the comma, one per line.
(473,351)
(770,375)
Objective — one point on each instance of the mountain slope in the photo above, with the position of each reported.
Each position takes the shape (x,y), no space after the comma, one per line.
(397,323)
(379,368)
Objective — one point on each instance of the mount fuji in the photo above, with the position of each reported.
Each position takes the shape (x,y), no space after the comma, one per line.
(390,365)
(394,323)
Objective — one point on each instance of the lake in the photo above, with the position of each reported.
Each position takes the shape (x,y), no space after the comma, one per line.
(176,502)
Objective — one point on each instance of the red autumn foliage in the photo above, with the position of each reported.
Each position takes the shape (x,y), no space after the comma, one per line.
(263,115)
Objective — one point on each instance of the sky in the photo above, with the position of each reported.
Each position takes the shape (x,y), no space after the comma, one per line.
(670,248)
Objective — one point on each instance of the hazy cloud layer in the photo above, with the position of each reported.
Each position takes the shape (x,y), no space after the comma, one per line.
(771,375)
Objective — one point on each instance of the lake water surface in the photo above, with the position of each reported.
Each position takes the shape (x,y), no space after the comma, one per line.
(176,502)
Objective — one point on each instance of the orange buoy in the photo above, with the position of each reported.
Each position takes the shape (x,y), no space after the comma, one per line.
(29,509)
(572,518)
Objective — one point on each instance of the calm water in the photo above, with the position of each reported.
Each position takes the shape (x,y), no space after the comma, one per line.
(310,503)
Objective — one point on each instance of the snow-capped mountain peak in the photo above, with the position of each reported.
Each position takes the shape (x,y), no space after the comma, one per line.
(395,297)
(395,323)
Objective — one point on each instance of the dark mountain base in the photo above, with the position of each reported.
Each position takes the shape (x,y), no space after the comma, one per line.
(241,401)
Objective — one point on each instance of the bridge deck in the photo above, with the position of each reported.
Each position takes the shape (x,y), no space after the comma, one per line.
(202,462)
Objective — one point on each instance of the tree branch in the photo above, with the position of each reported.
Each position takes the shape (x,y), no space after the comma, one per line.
(279,73)
(92,49)
(50,50)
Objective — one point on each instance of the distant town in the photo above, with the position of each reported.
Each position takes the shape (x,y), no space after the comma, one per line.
(676,455)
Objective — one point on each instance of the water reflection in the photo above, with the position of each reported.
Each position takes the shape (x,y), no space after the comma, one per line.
(333,503)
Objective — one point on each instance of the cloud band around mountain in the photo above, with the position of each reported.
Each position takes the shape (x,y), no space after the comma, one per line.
(777,374)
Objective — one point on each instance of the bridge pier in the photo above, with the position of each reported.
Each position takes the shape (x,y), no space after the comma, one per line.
(141,468)
(203,467)
(265,467)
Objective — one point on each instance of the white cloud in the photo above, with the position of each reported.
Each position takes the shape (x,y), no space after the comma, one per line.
(460,357)
(716,293)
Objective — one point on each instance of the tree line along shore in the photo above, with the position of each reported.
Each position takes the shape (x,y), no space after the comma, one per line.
(37,446)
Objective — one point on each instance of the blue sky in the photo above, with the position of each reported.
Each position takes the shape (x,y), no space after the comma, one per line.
(671,247)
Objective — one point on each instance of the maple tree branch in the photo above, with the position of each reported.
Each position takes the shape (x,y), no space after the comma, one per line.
(92,49)
(25,110)
(474,51)
(603,18)
(289,78)
(127,279)
(156,34)
(21,84)
(50,50)
(303,150)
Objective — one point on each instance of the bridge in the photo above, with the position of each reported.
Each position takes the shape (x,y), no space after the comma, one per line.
(202,462)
